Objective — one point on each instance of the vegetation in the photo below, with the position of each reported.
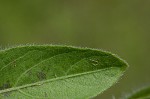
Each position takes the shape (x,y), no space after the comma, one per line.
(57,72)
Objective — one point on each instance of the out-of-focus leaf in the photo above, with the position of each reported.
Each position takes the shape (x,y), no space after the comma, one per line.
(141,94)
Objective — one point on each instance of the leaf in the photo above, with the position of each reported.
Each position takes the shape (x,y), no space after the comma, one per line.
(141,94)
(57,72)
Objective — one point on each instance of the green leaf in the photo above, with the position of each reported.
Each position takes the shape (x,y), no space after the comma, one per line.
(141,94)
(57,72)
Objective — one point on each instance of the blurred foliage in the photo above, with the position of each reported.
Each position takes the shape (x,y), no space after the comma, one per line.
(119,26)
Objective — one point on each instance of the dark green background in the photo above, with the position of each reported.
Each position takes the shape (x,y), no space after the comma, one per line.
(119,26)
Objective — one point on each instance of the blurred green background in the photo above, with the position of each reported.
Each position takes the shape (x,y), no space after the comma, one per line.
(119,26)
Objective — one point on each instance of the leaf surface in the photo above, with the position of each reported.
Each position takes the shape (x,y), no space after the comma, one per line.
(141,94)
(57,72)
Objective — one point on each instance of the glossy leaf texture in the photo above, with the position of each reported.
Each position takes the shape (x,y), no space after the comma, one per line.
(141,94)
(57,72)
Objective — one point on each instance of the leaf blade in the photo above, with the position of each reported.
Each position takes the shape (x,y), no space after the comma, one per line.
(40,64)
